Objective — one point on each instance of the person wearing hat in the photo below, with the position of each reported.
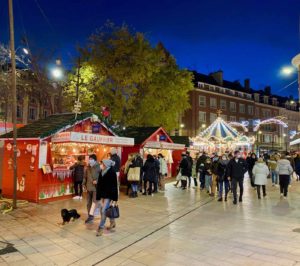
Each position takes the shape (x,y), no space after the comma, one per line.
(107,192)
(260,175)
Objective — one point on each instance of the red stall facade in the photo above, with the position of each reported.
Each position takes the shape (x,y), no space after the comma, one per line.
(46,150)
(154,140)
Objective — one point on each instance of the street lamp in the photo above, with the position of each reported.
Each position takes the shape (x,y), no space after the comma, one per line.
(287,70)
(203,126)
(181,125)
(57,73)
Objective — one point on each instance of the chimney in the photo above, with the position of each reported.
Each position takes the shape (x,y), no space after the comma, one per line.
(247,84)
(268,90)
(218,77)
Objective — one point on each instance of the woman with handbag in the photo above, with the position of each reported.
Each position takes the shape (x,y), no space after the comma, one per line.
(133,175)
(107,192)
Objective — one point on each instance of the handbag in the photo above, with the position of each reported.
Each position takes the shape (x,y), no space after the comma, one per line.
(134,174)
(113,212)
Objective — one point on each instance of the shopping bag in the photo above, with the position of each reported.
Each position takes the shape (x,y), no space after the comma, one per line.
(178,177)
(134,174)
(113,211)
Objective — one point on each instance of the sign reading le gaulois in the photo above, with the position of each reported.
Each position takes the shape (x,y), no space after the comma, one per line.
(91,138)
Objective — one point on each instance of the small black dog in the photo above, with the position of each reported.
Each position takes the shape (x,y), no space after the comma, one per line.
(67,215)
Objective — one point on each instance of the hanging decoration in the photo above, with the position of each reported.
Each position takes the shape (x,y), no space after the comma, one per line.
(276,120)
(239,125)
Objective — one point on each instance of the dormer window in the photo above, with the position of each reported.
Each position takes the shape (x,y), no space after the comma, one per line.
(212,88)
(201,85)
(274,101)
(256,97)
(266,99)
(241,95)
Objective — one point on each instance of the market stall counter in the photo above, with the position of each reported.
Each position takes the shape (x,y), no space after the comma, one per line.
(46,150)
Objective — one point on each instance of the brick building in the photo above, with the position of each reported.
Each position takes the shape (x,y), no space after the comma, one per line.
(238,103)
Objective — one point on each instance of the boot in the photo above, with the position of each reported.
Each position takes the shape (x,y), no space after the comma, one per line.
(90,219)
(135,194)
(220,199)
(225,198)
(99,232)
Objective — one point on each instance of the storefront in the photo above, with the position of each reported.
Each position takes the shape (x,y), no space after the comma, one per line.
(46,150)
(153,140)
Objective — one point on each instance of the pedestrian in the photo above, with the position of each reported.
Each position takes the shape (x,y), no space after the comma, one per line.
(107,192)
(272,163)
(236,169)
(157,164)
(190,160)
(297,166)
(223,179)
(200,169)
(194,173)
(116,159)
(284,170)
(184,170)
(215,177)
(208,175)
(126,169)
(163,171)
(149,174)
(78,175)
(260,173)
(89,182)
(251,160)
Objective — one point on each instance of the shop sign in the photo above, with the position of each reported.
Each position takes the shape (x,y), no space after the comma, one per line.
(92,138)
(164,145)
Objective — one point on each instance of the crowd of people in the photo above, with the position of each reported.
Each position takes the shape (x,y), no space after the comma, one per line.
(217,175)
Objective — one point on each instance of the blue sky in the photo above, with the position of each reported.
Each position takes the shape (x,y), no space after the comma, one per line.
(246,39)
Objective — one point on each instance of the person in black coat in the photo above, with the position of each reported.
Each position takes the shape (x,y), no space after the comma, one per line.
(200,169)
(78,175)
(185,170)
(107,192)
(236,169)
(223,180)
(251,160)
(150,174)
(190,159)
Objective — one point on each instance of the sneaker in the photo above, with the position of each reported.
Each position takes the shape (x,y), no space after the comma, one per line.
(76,197)
(281,195)
(112,225)
(240,200)
(234,202)
(99,232)
(80,198)
(225,199)
(220,199)
(284,198)
(89,220)
(145,194)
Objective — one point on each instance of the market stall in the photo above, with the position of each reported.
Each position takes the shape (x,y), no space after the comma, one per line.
(46,150)
(153,140)
(221,137)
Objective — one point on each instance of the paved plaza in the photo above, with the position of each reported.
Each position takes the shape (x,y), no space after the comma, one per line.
(172,228)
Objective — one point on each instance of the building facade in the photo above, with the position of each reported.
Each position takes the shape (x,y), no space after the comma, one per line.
(239,104)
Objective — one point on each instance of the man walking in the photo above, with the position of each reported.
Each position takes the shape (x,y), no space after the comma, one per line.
(200,169)
(236,169)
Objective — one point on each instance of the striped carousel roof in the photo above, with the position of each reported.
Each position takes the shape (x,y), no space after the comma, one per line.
(220,130)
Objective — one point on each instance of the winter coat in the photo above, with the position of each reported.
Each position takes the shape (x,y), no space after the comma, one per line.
(163,168)
(190,160)
(150,170)
(91,174)
(78,171)
(115,157)
(272,163)
(251,162)
(260,172)
(297,164)
(184,167)
(236,169)
(200,163)
(207,168)
(214,167)
(284,167)
(291,160)
(107,186)
(222,166)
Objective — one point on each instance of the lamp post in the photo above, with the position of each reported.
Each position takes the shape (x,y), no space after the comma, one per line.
(285,141)
(257,139)
(296,63)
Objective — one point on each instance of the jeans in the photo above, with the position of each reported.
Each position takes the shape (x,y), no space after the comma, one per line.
(76,185)
(104,204)
(234,184)
(284,184)
(208,181)
(224,183)
(134,187)
(274,176)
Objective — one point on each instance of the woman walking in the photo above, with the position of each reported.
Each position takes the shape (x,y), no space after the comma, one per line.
(107,192)
(208,175)
(260,174)
(223,179)
(251,160)
(150,174)
(284,170)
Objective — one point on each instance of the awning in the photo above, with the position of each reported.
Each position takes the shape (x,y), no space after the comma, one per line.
(91,138)
(164,145)
(295,142)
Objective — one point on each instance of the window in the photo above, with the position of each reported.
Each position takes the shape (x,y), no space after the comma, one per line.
(222,90)
(266,113)
(242,108)
(32,101)
(256,112)
(249,96)
(232,107)
(256,97)
(19,111)
(242,119)
(45,113)
(275,138)
(267,138)
(250,109)
(232,118)
(32,113)
(202,117)
(200,85)
(202,101)
(266,99)
(241,95)
(212,88)
(213,103)
(213,117)
(231,92)
(223,104)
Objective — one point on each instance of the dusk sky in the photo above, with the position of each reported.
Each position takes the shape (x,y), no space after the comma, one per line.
(246,39)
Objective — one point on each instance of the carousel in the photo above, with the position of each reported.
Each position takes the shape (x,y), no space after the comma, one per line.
(222,137)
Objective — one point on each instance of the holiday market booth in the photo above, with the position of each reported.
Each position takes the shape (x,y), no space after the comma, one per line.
(221,137)
(46,150)
(153,140)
